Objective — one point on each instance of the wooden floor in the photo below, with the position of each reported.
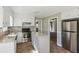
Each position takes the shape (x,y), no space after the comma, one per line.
(56,49)
(25,47)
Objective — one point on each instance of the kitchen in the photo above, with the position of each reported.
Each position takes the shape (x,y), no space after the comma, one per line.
(38,29)
(35,29)
(12,32)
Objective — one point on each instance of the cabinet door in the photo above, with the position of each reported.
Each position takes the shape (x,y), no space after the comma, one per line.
(1,16)
(31,20)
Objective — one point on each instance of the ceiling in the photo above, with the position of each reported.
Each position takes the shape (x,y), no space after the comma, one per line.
(39,11)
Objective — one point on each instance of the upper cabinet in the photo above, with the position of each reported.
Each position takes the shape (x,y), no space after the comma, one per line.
(1,16)
(20,20)
(30,20)
(7,17)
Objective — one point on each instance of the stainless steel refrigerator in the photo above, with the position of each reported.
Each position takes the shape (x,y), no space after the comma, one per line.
(70,33)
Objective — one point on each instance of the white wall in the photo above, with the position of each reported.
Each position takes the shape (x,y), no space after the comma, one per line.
(46,26)
(59,35)
(72,13)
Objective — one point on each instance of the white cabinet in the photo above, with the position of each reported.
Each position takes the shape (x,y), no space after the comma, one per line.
(8,44)
(41,43)
(7,16)
(31,20)
(1,16)
(20,19)
(8,47)
(19,37)
(34,41)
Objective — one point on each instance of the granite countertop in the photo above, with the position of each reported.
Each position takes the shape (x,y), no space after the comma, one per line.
(1,33)
(40,34)
(7,38)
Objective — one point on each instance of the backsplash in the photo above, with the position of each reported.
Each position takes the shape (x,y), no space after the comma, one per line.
(5,29)
(1,29)
(15,29)
(4,33)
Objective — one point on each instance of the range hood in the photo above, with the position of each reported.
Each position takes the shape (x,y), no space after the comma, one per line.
(26,24)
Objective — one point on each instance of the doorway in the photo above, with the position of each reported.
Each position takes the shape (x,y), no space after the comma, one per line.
(53,29)
(54,48)
(53,33)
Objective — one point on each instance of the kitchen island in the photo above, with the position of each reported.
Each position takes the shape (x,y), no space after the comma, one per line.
(41,42)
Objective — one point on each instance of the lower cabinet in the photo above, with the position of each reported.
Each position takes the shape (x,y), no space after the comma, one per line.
(41,43)
(19,37)
(9,47)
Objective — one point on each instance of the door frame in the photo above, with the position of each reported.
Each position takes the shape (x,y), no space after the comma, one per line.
(49,25)
(49,28)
